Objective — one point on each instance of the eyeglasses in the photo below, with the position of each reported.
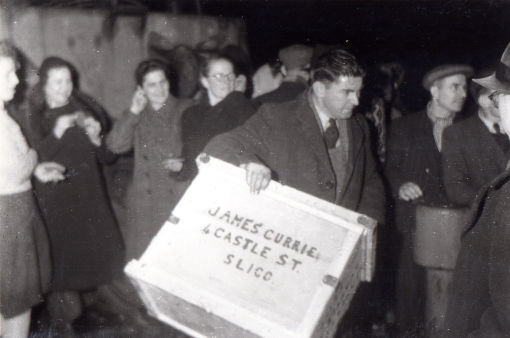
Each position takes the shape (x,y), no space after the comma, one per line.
(494,97)
(223,77)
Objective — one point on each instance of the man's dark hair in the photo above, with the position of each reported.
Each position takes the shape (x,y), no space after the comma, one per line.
(335,63)
(148,66)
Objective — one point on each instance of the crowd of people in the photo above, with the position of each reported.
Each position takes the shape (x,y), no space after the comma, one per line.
(316,120)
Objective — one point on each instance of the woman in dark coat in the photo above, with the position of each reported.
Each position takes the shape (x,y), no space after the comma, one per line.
(219,110)
(87,247)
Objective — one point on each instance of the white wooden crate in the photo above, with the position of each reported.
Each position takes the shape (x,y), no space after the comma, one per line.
(232,264)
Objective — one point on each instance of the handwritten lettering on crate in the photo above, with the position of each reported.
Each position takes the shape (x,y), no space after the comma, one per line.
(259,239)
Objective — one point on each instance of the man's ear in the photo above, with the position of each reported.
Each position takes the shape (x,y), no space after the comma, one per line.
(434,91)
(484,101)
(204,82)
(283,70)
(319,88)
(240,83)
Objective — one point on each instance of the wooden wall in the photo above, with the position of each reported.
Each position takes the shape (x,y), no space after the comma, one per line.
(105,49)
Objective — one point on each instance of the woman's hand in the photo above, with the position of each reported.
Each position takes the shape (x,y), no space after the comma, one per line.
(138,102)
(49,172)
(93,130)
(63,123)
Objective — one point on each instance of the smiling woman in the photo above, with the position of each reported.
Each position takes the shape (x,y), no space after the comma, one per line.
(220,109)
(151,126)
(217,78)
(84,236)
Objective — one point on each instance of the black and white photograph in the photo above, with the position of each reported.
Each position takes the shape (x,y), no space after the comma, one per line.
(254,168)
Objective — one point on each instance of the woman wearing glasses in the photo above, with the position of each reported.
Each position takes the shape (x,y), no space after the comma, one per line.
(220,109)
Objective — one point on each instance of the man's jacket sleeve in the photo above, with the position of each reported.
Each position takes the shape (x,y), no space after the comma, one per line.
(247,143)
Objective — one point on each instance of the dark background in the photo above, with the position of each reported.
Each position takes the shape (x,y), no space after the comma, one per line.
(419,34)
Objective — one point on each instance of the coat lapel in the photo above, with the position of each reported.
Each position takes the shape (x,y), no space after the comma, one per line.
(426,135)
(309,126)
(487,141)
(356,141)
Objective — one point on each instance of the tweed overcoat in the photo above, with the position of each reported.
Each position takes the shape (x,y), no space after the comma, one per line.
(155,136)
(287,138)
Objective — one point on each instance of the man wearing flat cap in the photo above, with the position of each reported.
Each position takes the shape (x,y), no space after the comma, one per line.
(480,303)
(295,61)
(413,170)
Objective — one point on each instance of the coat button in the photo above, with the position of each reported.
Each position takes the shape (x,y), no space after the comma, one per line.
(148,191)
(330,185)
(427,170)
(145,157)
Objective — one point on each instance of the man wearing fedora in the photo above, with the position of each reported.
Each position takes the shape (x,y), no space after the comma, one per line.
(480,303)
(474,150)
(413,170)
(295,61)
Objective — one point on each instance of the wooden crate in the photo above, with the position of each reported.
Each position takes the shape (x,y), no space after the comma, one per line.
(231,264)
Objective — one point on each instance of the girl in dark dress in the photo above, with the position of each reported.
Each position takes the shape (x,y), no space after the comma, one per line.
(86,244)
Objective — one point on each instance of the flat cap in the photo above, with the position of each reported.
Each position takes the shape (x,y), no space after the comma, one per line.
(443,71)
(295,56)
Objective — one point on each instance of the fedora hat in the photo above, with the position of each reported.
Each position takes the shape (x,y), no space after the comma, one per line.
(500,79)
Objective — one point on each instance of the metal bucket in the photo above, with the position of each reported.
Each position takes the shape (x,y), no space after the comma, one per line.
(437,236)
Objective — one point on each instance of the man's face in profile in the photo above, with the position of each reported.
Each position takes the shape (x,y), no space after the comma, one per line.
(450,93)
(339,98)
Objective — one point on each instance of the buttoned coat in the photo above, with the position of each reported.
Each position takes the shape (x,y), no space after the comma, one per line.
(155,136)
(480,303)
(413,157)
(86,244)
(287,138)
(471,159)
